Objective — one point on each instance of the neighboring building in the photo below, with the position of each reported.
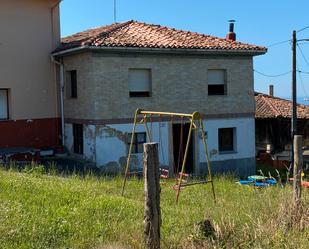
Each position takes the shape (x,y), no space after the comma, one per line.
(273,123)
(113,70)
(29,32)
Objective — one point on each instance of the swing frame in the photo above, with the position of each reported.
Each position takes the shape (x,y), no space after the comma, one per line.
(194,118)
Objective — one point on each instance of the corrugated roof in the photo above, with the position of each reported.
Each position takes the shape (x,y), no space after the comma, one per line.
(273,107)
(141,35)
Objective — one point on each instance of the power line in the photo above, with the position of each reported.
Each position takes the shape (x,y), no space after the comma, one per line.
(302,83)
(272,76)
(302,72)
(300,30)
(115,11)
(303,55)
(278,43)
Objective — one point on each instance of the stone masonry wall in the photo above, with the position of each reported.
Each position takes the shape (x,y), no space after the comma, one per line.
(179,84)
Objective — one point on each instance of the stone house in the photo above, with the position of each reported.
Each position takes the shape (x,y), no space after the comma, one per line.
(113,70)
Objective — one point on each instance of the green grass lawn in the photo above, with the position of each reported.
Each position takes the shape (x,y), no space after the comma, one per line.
(45,211)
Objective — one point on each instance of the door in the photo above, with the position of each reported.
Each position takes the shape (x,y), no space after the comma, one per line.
(78,138)
(180,137)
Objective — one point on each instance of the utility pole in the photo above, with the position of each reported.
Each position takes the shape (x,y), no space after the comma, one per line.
(298,166)
(294,101)
(115,11)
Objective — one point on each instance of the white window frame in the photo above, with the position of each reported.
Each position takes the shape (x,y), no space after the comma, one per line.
(6,108)
(234,150)
(136,142)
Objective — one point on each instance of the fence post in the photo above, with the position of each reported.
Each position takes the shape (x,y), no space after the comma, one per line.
(298,165)
(152,218)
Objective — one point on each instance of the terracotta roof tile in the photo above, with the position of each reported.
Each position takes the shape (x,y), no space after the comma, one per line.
(272,107)
(142,35)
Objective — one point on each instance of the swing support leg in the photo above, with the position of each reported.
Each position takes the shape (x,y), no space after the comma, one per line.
(147,129)
(207,159)
(130,152)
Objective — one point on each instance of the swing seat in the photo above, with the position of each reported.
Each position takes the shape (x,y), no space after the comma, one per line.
(175,187)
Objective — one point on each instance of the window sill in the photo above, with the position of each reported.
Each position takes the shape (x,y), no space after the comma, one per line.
(227,152)
(140,94)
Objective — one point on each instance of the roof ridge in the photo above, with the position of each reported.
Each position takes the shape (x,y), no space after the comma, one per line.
(143,35)
(279,98)
(193,32)
(109,31)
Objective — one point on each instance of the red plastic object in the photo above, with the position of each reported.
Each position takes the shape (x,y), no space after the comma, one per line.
(305,184)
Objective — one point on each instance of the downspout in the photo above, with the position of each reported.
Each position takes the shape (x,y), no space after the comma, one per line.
(61,71)
(61,96)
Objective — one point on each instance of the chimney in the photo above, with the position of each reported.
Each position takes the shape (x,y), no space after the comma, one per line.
(271,90)
(231,35)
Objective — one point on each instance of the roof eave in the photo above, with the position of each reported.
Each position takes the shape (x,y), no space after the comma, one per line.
(160,50)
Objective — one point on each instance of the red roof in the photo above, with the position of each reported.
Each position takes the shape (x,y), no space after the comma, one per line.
(272,107)
(141,35)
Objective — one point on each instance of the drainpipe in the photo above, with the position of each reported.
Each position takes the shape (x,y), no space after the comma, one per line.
(61,96)
(61,74)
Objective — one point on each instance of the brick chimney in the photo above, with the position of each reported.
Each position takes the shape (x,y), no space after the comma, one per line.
(231,35)
(271,90)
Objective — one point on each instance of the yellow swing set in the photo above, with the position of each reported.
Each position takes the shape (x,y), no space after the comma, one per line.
(196,123)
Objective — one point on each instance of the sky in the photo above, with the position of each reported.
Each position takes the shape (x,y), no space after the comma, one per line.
(262,22)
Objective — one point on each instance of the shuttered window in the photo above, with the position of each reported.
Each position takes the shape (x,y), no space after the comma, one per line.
(4,113)
(139,82)
(216,82)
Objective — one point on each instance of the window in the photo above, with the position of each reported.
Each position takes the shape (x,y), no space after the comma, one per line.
(78,138)
(139,82)
(216,82)
(227,139)
(4,106)
(72,84)
(138,141)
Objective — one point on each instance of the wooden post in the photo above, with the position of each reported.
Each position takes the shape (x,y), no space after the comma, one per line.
(152,218)
(298,165)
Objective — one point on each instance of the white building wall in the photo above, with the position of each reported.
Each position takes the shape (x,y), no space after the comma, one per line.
(107,145)
(68,141)
(90,142)
(89,135)
(112,147)
(245,139)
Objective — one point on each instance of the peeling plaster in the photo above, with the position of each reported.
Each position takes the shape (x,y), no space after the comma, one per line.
(107,131)
(90,142)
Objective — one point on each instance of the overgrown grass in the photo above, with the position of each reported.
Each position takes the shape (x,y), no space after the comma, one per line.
(46,211)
